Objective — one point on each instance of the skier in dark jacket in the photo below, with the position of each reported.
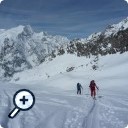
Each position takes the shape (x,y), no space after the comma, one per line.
(93,88)
(79,87)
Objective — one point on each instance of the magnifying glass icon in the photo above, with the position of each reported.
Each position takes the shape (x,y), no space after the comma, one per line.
(23,100)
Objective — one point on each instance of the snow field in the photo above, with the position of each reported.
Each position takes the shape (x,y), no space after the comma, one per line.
(57,104)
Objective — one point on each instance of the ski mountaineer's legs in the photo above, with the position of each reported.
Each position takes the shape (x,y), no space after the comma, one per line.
(93,93)
(79,91)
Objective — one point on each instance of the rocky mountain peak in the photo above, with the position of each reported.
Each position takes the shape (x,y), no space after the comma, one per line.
(113,29)
(22,48)
(27,31)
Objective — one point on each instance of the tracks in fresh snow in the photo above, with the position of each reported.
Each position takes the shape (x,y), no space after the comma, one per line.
(91,120)
(66,111)
(108,112)
(113,112)
(5,106)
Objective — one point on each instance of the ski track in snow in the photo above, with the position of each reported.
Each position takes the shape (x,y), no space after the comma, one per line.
(113,112)
(56,110)
(91,120)
(5,105)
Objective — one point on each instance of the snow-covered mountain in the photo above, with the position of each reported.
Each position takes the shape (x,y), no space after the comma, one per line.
(22,48)
(115,28)
(112,40)
(81,53)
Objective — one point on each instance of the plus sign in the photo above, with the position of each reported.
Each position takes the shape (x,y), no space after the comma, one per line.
(23,100)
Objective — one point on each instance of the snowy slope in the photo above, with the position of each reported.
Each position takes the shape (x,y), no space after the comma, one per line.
(60,64)
(93,37)
(113,29)
(57,66)
(10,33)
(57,104)
(2,30)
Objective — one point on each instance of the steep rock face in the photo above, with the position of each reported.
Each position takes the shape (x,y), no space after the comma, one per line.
(11,60)
(21,48)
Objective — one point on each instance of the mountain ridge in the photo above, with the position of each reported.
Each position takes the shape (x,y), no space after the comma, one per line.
(21,48)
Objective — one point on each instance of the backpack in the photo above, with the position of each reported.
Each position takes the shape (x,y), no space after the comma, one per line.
(78,85)
(92,85)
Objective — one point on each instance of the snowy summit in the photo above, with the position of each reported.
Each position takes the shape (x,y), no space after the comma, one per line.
(126,1)
(1,126)
(1,1)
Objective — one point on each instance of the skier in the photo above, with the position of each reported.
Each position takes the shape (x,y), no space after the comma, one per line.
(79,87)
(93,88)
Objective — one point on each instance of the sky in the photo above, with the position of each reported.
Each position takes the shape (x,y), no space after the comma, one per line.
(71,18)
